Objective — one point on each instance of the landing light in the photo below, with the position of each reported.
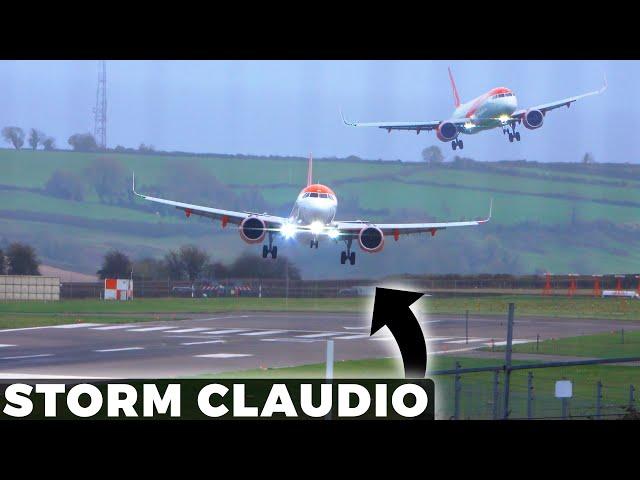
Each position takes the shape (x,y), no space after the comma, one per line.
(288,230)
(469,125)
(316,228)
(504,118)
(333,233)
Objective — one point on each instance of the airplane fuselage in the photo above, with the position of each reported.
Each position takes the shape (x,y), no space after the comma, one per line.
(487,111)
(316,204)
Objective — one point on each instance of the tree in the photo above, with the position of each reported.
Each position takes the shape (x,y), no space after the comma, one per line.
(146,148)
(115,265)
(83,142)
(107,176)
(252,266)
(193,260)
(36,137)
(432,155)
(65,184)
(49,143)
(22,259)
(14,136)
(3,268)
(588,158)
(173,265)
(149,269)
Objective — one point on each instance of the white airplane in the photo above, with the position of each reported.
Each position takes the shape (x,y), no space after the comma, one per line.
(312,218)
(496,108)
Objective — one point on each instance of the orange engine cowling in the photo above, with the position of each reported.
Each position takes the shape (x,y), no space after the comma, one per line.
(533,119)
(252,230)
(371,239)
(447,131)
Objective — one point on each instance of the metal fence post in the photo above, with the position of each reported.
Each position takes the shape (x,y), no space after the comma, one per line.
(599,399)
(530,396)
(457,393)
(466,327)
(632,396)
(496,393)
(507,361)
(565,408)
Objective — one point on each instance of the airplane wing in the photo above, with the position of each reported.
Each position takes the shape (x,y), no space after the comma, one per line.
(565,102)
(418,126)
(408,228)
(226,216)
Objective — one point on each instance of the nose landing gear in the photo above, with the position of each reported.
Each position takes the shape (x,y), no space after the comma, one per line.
(457,144)
(512,135)
(351,256)
(314,243)
(271,249)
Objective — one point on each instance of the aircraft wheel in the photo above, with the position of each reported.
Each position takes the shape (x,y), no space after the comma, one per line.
(265,251)
(274,252)
(352,258)
(511,137)
(453,145)
(343,257)
(460,144)
(518,136)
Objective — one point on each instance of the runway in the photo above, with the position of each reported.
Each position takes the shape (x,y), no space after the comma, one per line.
(242,341)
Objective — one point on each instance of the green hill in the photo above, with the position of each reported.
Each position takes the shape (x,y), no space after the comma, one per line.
(559,217)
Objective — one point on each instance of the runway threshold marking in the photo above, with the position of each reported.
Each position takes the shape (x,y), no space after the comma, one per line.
(224,355)
(268,332)
(124,349)
(203,342)
(189,330)
(19,357)
(76,325)
(225,332)
(150,329)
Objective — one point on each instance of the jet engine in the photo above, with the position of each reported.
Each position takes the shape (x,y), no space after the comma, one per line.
(371,239)
(533,119)
(447,132)
(252,230)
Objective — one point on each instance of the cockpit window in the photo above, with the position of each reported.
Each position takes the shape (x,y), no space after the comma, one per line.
(324,195)
(313,194)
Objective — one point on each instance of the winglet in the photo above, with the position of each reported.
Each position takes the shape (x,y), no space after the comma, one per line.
(604,85)
(345,121)
(490,210)
(310,171)
(456,97)
(133,185)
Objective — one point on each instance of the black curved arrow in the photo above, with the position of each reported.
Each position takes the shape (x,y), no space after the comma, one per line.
(391,308)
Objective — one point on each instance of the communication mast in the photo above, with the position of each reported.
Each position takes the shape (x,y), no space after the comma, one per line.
(100,111)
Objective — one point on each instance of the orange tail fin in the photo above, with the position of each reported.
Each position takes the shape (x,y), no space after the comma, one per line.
(456,97)
(310,171)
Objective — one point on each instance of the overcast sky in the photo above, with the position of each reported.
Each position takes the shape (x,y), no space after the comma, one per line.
(291,107)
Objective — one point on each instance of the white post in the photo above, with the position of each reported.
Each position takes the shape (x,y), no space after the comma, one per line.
(329,369)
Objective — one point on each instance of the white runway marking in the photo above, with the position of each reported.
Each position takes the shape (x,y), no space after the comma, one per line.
(351,337)
(318,335)
(150,329)
(203,342)
(293,340)
(357,328)
(76,325)
(188,330)
(224,355)
(107,350)
(115,327)
(439,339)
(225,332)
(27,356)
(471,340)
(217,318)
(268,332)
(514,342)
(2,345)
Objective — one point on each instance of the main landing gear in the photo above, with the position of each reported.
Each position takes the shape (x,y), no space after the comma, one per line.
(457,143)
(271,249)
(351,256)
(314,243)
(513,135)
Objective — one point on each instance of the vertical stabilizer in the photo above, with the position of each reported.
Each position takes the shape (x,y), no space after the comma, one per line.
(456,97)
(310,171)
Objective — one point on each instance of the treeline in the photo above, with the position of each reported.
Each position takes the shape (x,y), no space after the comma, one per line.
(190,262)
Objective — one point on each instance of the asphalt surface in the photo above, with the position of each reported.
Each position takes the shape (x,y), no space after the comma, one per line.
(241,341)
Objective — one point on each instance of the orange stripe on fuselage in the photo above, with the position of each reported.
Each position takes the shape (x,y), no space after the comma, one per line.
(318,188)
(483,98)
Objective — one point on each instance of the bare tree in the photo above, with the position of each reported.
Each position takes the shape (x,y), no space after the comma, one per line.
(35,138)
(432,154)
(49,143)
(115,265)
(193,260)
(14,136)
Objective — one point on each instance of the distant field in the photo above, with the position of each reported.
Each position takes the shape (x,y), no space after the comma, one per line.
(24,313)
(545,218)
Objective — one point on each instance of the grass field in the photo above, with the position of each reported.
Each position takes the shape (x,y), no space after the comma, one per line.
(413,191)
(613,344)
(476,397)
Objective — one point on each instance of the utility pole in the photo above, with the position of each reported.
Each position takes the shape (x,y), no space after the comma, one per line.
(100,110)
(507,361)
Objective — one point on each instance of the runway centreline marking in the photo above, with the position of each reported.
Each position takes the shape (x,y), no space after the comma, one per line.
(150,329)
(124,349)
(224,355)
(203,342)
(76,325)
(19,357)
(267,332)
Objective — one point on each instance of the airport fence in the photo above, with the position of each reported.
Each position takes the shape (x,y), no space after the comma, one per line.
(331,288)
